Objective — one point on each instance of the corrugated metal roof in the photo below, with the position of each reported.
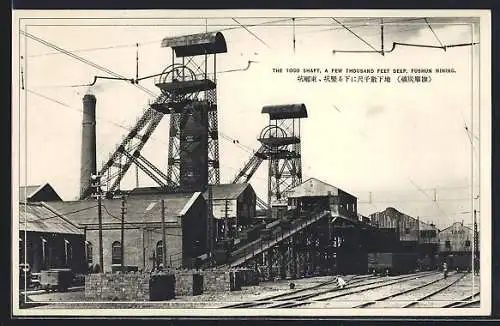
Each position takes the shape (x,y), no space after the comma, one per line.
(285,111)
(456,226)
(227,191)
(37,218)
(313,188)
(196,44)
(140,208)
(394,213)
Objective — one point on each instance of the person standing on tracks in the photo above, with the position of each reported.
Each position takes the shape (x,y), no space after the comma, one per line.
(445,270)
(340,282)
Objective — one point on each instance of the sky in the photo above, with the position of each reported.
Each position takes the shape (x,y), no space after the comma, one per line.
(398,145)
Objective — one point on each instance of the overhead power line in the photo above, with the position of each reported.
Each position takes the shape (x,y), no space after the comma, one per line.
(434,33)
(83,60)
(357,36)
(63,214)
(252,33)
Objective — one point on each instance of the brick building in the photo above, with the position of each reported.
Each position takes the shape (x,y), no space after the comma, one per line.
(185,229)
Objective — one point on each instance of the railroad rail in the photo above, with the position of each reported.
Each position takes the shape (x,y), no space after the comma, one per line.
(290,299)
(411,304)
(413,289)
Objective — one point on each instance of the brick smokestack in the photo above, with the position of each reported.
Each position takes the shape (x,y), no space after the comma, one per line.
(88,153)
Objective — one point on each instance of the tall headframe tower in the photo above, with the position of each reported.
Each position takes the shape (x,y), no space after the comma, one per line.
(281,147)
(190,84)
(188,95)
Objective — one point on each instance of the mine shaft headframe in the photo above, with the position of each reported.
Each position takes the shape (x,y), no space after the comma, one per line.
(187,81)
(281,143)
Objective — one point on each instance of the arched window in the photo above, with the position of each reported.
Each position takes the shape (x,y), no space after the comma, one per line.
(116,253)
(159,252)
(88,252)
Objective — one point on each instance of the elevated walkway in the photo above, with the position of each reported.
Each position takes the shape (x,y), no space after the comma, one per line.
(276,235)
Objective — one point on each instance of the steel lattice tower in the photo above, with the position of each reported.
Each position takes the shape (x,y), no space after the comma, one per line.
(189,96)
(281,140)
(280,145)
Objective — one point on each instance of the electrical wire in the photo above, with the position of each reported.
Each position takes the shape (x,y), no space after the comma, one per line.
(159,40)
(85,61)
(434,33)
(252,33)
(359,37)
(63,214)
(79,110)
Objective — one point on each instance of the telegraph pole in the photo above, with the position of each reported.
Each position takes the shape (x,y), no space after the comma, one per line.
(163,235)
(226,224)
(96,178)
(124,211)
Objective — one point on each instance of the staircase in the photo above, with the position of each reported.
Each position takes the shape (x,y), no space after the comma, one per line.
(278,235)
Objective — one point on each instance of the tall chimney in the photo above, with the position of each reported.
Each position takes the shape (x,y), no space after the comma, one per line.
(88,153)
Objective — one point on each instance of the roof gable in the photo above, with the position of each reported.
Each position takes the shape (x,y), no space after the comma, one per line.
(313,187)
(227,191)
(36,193)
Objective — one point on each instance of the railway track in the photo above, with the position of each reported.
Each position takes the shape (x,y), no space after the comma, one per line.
(410,293)
(467,302)
(356,289)
(433,293)
(291,299)
(266,300)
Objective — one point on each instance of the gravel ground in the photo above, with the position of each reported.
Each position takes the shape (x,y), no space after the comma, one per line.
(456,292)
(401,300)
(352,300)
(75,300)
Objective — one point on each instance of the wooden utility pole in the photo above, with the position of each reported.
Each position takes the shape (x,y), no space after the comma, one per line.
(226,216)
(163,235)
(122,235)
(97,183)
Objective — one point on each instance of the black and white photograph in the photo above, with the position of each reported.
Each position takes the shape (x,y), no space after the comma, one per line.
(251,163)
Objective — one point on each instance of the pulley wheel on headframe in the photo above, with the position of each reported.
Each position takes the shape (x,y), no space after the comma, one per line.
(271,135)
(176,75)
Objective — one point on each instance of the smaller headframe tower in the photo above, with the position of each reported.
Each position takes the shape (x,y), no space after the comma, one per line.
(281,147)
(190,85)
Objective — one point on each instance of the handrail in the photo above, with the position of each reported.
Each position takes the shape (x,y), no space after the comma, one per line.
(262,245)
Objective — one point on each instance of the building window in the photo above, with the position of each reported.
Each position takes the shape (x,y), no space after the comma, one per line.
(447,244)
(467,243)
(159,252)
(116,253)
(407,230)
(89,253)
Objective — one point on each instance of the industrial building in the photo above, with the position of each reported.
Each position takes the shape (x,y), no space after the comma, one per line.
(48,239)
(190,220)
(185,216)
